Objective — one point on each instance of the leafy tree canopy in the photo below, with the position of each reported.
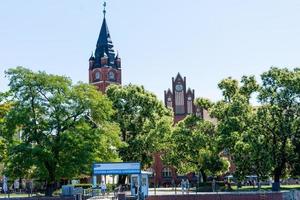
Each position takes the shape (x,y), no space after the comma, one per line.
(144,122)
(62,128)
(194,149)
(278,117)
(234,113)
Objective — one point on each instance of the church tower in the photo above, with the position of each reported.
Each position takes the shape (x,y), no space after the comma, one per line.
(181,99)
(104,65)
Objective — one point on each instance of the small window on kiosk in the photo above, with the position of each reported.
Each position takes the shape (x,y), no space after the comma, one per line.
(144,181)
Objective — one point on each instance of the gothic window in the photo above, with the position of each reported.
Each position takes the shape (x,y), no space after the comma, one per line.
(179,99)
(111,76)
(169,102)
(189,105)
(97,76)
(166,172)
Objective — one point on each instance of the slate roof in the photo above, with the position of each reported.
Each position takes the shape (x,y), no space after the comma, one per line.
(104,45)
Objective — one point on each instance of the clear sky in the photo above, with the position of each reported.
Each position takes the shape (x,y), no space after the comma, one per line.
(204,40)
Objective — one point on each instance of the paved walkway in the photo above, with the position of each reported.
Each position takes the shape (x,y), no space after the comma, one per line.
(177,191)
(106,197)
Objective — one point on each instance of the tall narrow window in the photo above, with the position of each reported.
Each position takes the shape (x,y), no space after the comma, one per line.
(97,76)
(179,102)
(111,76)
(166,172)
(169,102)
(189,105)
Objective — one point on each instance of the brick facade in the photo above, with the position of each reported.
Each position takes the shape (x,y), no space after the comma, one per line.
(104,81)
(180,99)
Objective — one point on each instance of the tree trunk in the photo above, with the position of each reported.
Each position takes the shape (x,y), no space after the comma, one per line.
(122,179)
(276,184)
(51,182)
(204,176)
(258,182)
(50,188)
(20,184)
(199,178)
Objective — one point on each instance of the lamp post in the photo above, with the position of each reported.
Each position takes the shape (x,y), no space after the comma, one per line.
(154,182)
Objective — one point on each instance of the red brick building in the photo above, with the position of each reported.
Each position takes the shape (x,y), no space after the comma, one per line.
(180,99)
(104,65)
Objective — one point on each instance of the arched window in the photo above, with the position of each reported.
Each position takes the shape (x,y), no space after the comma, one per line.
(169,102)
(166,172)
(111,76)
(97,76)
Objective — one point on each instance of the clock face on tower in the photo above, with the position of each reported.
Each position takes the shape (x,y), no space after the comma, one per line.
(178,87)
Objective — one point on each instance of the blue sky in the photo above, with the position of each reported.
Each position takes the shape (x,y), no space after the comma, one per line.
(205,41)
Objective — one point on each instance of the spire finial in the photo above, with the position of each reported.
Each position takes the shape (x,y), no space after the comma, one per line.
(104,8)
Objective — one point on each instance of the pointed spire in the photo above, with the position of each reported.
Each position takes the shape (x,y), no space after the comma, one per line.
(104,43)
(178,77)
(104,8)
(92,56)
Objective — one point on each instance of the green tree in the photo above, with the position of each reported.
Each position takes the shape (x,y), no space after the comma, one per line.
(279,117)
(193,148)
(144,122)
(238,129)
(234,113)
(251,155)
(265,138)
(203,103)
(63,128)
(4,108)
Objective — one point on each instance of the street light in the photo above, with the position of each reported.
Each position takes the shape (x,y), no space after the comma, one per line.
(154,173)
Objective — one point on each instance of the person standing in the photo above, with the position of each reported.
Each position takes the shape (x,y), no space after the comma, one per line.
(182,186)
(5,186)
(187,185)
(213,185)
(103,188)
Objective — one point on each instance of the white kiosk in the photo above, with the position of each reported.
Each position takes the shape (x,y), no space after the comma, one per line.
(139,183)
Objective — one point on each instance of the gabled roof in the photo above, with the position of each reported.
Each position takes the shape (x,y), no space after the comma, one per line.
(178,77)
(189,90)
(168,92)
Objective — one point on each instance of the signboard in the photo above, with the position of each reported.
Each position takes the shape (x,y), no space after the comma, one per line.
(116,168)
